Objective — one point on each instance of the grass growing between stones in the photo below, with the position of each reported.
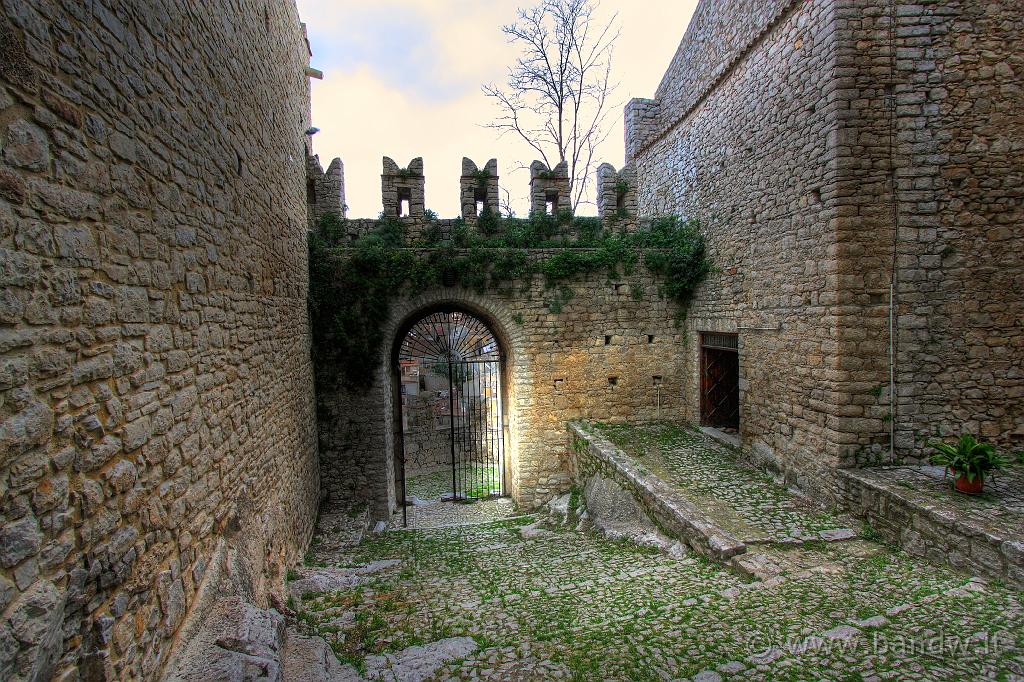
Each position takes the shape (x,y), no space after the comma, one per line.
(743,500)
(570,605)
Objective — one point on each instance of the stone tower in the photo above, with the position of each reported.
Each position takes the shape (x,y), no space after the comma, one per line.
(402,188)
(549,188)
(478,188)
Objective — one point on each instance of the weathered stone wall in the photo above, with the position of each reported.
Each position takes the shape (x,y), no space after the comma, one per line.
(958,152)
(155,377)
(591,456)
(742,144)
(902,515)
(325,190)
(784,127)
(610,354)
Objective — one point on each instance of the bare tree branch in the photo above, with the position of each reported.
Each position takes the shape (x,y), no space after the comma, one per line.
(556,96)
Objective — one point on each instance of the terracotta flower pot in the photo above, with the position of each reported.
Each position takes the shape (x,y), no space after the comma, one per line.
(966,487)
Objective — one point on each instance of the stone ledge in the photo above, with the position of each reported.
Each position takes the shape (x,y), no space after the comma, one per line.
(925,526)
(671,510)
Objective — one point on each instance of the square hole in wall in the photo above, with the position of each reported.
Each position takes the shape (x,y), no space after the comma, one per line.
(650,338)
(404,202)
(551,202)
(559,384)
(656,380)
(607,340)
(613,381)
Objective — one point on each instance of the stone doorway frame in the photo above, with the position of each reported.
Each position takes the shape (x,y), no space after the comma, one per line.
(507,345)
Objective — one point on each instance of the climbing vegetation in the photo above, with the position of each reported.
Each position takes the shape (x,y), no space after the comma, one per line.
(352,285)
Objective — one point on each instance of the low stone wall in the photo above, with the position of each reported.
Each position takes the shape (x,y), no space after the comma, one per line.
(592,455)
(932,530)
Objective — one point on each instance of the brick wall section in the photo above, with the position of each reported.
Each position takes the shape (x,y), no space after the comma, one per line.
(155,377)
(787,148)
(557,369)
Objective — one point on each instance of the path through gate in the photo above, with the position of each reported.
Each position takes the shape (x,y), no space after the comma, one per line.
(450,364)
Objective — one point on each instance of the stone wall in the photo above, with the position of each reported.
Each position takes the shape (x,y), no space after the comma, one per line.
(784,127)
(981,541)
(750,159)
(155,379)
(591,455)
(610,353)
(325,190)
(958,153)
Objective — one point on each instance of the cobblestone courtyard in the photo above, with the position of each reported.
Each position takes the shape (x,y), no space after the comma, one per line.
(541,599)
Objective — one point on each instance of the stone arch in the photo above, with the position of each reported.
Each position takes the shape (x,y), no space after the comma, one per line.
(510,339)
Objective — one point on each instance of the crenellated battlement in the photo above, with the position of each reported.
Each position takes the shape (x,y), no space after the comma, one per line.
(478,188)
(403,189)
(616,191)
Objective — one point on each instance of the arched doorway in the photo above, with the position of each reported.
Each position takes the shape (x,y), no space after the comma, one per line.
(450,374)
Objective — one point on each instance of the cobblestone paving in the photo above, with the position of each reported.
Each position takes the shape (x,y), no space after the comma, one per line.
(439,514)
(561,603)
(742,500)
(434,484)
(428,510)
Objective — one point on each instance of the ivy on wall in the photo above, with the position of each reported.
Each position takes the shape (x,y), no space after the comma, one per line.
(352,287)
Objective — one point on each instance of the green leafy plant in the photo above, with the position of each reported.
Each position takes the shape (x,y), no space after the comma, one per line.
(967,457)
(482,176)
(488,222)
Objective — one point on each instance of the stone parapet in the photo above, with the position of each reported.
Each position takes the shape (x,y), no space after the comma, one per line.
(893,501)
(402,189)
(591,454)
(478,187)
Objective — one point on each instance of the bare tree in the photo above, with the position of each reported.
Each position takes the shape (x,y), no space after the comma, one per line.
(557,94)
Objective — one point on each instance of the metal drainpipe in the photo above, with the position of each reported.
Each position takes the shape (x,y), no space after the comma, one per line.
(894,201)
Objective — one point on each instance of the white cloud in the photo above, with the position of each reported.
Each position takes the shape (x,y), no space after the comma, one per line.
(390,90)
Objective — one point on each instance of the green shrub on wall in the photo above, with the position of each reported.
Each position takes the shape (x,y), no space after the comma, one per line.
(351,288)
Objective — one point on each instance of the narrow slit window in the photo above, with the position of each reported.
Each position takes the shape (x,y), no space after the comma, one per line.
(479,199)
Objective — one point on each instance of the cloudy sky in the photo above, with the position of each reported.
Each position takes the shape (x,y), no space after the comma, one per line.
(402,78)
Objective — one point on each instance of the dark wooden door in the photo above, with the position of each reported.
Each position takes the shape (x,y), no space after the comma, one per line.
(720,381)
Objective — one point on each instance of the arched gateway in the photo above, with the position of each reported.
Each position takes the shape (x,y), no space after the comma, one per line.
(449,367)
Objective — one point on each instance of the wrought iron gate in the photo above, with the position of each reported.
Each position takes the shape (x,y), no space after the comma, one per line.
(460,349)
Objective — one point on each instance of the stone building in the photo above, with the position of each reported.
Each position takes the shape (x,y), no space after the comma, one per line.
(856,165)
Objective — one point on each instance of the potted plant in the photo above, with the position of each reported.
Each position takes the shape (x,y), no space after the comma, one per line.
(968,460)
